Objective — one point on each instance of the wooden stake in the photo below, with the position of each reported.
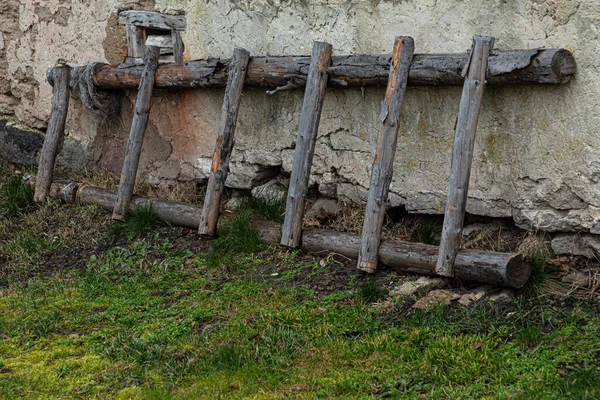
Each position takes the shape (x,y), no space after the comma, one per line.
(305,143)
(383,165)
(136,134)
(177,46)
(224,146)
(462,153)
(56,131)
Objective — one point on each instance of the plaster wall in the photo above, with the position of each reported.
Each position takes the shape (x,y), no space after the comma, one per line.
(537,153)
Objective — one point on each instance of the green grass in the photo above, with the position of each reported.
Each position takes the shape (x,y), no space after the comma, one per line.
(270,209)
(16,197)
(236,235)
(138,221)
(144,321)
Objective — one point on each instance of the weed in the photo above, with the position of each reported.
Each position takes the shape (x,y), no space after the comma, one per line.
(27,248)
(428,232)
(370,292)
(270,209)
(16,197)
(236,235)
(139,221)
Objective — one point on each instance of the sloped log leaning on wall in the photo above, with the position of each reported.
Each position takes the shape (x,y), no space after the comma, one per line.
(308,129)
(383,164)
(136,134)
(504,269)
(56,131)
(224,146)
(507,67)
(462,153)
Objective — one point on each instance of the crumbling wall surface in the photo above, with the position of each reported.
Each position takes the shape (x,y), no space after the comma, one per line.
(537,152)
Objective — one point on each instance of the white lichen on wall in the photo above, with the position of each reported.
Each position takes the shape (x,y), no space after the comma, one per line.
(537,153)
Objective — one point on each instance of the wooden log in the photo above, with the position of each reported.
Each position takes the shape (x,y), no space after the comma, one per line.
(462,153)
(504,269)
(224,146)
(152,20)
(136,43)
(136,134)
(178,47)
(56,131)
(179,214)
(383,164)
(508,67)
(305,144)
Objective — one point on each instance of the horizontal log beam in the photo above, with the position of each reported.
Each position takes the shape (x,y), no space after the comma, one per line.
(504,269)
(508,67)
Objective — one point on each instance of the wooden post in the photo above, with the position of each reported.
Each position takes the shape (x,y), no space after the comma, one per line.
(383,164)
(56,131)
(177,46)
(224,146)
(136,134)
(136,42)
(462,153)
(305,143)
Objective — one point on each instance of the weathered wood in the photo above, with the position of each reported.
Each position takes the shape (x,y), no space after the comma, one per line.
(178,46)
(153,20)
(383,164)
(305,144)
(136,134)
(508,67)
(505,269)
(220,161)
(136,43)
(462,153)
(56,130)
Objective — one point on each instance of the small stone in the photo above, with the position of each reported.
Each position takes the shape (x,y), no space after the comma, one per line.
(323,207)
(270,191)
(234,203)
(583,278)
(435,298)
(505,296)
(473,295)
(577,245)
(411,287)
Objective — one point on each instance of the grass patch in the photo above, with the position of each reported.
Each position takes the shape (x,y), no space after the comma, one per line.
(16,197)
(237,235)
(139,221)
(270,209)
(370,292)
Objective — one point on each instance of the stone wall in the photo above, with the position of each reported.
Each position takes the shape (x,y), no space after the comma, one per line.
(537,153)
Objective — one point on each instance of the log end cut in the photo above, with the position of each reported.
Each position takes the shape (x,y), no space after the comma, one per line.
(517,271)
(563,65)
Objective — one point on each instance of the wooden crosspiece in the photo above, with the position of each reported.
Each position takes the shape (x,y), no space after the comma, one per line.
(462,153)
(305,144)
(224,146)
(383,165)
(136,134)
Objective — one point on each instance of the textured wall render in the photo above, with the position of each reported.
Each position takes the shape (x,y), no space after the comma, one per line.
(537,154)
